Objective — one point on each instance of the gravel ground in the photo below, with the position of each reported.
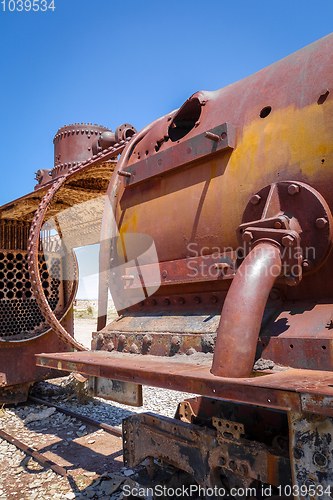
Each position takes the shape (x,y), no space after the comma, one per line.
(90,474)
(92,458)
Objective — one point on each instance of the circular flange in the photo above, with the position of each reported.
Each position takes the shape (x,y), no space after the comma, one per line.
(306,212)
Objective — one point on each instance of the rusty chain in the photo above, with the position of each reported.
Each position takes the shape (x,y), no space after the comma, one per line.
(34,237)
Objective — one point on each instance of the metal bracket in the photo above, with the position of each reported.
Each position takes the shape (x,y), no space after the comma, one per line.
(226,429)
(187,151)
(288,240)
(186,412)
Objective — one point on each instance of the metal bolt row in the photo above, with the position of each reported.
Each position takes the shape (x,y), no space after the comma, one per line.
(180,300)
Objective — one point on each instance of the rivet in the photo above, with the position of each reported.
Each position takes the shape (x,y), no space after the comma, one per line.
(274,295)
(110,346)
(321,222)
(122,339)
(197,300)
(166,302)
(181,300)
(147,340)
(164,274)
(320,459)
(293,189)
(153,302)
(190,351)
(176,341)
(277,224)
(255,199)
(214,299)
(134,349)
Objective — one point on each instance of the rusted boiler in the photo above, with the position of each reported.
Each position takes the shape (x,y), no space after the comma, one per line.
(216,245)
(25,326)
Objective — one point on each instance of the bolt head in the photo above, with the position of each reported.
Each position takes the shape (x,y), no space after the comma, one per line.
(288,240)
(274,295)
(306,264)
(277,224)
(247,236)
(290,281)
(255,199)
(321,222)
(293,189)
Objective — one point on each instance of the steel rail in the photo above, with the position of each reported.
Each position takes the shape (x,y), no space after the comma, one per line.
(108,428)
(33,453)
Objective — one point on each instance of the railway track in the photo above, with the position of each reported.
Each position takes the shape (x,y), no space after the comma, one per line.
(57,458)
(39,456)
(69,460)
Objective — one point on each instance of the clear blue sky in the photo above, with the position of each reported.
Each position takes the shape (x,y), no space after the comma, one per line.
(110,62)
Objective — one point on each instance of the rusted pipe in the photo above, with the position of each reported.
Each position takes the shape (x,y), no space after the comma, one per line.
(238,330)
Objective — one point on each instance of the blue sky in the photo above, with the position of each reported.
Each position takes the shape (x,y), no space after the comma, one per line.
(109,62)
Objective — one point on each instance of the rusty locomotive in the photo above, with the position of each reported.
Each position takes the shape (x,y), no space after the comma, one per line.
(215,230)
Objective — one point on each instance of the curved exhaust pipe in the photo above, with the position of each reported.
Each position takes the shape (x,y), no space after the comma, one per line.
(243,309)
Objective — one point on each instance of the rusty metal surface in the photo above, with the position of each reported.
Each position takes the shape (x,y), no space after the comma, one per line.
(276,390)
(33,245)
(33,453)
(271,147)
(22,319)
(157,344)
(282,389)
(242,312)
(219,266)
(202,452)
(122,392)
(74,143)
(311,455)
(297,209)
(189,150)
